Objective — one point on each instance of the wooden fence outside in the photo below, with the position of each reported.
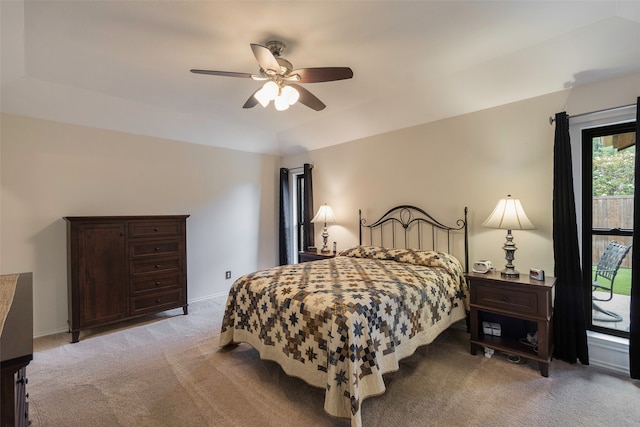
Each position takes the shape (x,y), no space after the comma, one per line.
(612,212)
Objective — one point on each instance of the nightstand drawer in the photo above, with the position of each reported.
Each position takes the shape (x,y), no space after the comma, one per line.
(507,300)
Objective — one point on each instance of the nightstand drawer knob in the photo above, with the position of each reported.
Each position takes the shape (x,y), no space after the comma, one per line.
(505,299)
(157,265)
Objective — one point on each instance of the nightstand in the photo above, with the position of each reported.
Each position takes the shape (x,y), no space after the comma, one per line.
(306,256)
(520,298)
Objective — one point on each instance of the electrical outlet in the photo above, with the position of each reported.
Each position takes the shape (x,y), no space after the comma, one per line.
(227,275)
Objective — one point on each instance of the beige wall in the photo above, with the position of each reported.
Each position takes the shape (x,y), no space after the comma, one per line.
(50,170)
(471,160)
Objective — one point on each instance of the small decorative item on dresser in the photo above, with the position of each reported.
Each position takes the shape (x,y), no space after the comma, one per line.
(536,273)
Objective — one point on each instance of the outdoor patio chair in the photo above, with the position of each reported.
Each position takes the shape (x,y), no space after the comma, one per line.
(605,275)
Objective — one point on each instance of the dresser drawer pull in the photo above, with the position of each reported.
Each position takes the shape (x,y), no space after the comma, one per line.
(157,265)
(505,299)
(158,300)
(156,229)
(157,249)
(157,283)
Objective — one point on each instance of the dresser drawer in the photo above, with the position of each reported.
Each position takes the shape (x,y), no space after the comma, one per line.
(156,283)
(157,247)
(507,300)
(141,229)
(155,266)
(157,302)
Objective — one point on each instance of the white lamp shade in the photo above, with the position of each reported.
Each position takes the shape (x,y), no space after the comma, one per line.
(325,215)
(509,215)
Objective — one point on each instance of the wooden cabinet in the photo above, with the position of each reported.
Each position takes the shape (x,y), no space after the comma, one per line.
(16,347)
(124,266)
(307,256)
(513,298)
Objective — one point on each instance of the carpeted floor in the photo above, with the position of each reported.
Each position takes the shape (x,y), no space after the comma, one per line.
(167,370)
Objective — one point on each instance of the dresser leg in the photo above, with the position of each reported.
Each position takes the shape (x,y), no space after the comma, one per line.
(185,309)
(75,336)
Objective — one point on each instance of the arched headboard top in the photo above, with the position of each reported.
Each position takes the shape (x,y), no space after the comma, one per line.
(418,229)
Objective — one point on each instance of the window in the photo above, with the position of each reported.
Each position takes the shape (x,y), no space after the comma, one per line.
(608,159)
(297,207)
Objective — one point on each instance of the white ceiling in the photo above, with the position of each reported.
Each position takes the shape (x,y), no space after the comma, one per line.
(124,65)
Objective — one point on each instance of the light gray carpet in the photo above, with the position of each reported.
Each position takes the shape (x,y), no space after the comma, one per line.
(167,370)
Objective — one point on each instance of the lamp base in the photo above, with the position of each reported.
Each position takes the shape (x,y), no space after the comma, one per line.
(509,247)
(510,273)
(325,237)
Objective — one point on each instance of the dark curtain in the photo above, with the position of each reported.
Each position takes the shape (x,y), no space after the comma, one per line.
(569,321)
(634,330)
(284,231)
(307,225)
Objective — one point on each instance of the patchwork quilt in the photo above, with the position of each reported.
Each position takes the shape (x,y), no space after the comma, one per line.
(341,323)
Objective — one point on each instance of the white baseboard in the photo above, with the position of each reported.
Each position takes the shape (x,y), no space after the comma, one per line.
(609,352)
(221,295)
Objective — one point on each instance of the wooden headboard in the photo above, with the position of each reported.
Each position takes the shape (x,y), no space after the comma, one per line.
(411,227)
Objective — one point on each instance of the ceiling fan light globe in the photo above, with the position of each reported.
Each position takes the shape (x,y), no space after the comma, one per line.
(291,94)
(263,97)
(281,103)
(271,90)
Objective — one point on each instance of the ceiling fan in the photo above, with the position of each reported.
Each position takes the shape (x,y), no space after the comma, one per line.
(281,79)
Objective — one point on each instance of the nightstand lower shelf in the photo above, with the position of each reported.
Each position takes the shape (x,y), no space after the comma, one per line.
(514,347)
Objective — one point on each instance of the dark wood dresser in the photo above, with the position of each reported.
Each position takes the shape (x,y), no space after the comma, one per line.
(121,267)
(16,347)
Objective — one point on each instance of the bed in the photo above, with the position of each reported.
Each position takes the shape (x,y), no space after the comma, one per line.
(342,323)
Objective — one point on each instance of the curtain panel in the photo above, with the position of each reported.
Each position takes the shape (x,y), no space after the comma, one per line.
(570,329)
(284,223)
(309,229)
(634,328)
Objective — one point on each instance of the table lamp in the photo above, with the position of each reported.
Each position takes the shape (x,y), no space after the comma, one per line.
(324,215)
(509,215)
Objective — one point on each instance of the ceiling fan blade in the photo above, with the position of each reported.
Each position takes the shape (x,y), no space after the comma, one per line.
(323,74)
(265,58)
(308,99)
(223,73)
(252,101)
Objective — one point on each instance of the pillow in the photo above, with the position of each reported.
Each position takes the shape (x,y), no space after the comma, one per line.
(372,252)
(429,259)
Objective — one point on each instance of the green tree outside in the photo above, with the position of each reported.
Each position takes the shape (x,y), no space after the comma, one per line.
(612,170)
